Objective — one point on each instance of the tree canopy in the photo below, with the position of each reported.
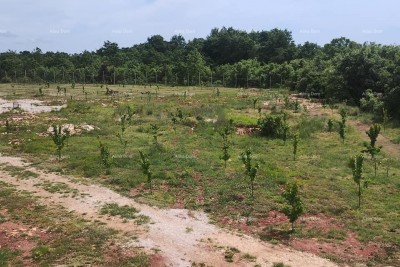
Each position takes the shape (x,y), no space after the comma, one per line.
(341,70)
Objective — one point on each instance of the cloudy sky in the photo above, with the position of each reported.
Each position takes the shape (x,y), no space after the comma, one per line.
(76,25)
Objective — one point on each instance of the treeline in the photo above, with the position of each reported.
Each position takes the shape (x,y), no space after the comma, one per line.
(340,70)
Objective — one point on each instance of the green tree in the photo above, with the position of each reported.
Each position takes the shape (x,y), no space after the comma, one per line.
(154,130)
(59,137)
(357,166)
(330,125)
(295,145)
(250,169)
(371,147)
(225,148)
(106,159)
(145,164)
(293,207)
(342,124)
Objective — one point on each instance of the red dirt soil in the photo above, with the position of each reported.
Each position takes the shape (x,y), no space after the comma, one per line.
(348,250)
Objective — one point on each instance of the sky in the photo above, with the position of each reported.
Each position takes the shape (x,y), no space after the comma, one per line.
(73,26)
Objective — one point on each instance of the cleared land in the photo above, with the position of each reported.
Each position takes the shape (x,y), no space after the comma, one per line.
(189,177)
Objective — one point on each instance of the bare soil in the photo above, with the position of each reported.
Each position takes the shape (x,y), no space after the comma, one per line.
(29,105)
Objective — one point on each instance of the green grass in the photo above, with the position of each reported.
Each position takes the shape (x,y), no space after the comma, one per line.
(19,172)
(7,257)
(248,257)
(124,212)
(113,209)
(60,188)
(186,166)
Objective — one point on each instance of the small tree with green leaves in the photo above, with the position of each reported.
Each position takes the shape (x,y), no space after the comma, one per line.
(342,124)
(370,147)
(59,137)
(8,126)
(154,130)
(296,106)
(386,118)
(174,121)
(285,128)
(255,100)
(357,166)
(293,207)
(124,119)
(330,125)
(176,117)
(331,103)
(342,131)
(295,145)
(105,156)
(228,129)
(225,148)
(145,164)
(250,169)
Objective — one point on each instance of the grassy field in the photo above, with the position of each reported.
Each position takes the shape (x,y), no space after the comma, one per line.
(187,171)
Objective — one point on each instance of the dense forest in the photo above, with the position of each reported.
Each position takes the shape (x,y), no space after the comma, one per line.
(343,70)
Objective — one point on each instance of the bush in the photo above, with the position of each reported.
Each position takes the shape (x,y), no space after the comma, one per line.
(78,106)
(372,103)
(271,126)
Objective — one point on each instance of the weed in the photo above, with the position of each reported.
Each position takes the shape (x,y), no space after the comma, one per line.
(113,209)
(248,257)
(230,253)
(40,252)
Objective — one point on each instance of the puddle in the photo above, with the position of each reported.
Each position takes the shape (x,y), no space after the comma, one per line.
(28,105)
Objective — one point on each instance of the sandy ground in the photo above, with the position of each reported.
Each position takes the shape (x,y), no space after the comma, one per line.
(180,237)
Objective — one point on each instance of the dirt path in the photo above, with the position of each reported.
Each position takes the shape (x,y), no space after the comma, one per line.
(181,237)
(387,145)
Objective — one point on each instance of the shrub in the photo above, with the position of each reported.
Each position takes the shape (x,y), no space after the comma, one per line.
(372,103)
(271,126)
(78,106)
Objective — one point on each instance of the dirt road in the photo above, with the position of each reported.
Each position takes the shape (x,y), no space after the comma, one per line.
(179,236)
